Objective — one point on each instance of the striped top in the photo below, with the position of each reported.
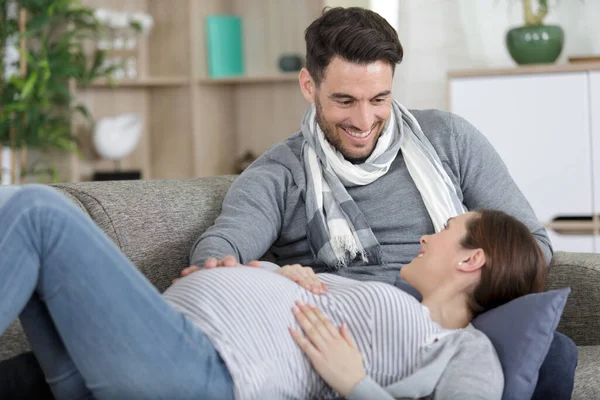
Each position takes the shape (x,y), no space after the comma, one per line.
(246,313)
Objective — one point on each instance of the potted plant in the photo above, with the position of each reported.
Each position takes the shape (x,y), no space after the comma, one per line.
(535,42)
(37,103)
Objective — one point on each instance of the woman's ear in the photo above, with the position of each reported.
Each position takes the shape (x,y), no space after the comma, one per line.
(474,261)
(307,85)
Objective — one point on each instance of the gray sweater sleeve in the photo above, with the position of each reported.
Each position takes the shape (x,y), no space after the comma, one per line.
(251,217)
(368,389)
(486,182)
(474,373)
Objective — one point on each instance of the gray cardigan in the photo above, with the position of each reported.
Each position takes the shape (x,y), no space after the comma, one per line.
(462,366)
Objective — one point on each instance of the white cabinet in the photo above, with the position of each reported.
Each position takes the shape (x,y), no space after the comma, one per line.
(541,124)
(595,136)
(570,242)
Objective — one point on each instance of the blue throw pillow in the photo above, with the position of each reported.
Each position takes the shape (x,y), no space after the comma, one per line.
(521,332)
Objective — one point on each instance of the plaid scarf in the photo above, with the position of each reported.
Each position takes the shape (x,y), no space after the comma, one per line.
(337,231)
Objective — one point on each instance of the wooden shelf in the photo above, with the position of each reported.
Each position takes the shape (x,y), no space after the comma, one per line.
(182,81)
(526,69)
(193,123)
(272,78)
(574,227)
(143,82)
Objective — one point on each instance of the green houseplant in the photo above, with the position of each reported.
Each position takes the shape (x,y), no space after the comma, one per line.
(535,43)
(37,105)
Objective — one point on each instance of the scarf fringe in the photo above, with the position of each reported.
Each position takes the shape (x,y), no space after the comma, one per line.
(347,249)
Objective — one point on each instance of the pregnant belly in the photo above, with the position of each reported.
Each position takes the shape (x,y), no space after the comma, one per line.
(246,314)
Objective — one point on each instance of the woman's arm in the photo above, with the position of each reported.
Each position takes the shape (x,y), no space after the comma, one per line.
(474,373)
(368,389)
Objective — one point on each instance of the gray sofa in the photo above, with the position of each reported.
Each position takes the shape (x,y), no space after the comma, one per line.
(156,222)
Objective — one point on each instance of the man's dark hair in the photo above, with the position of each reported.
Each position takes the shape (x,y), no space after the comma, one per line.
(355,34)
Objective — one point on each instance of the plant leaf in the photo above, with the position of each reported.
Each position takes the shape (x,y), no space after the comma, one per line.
(29,85)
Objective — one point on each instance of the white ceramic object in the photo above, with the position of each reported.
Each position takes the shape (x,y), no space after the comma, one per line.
(115,138)
(6,166)
(102,15)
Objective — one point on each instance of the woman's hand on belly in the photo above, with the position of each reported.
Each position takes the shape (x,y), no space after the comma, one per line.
(303,276)
(332,351)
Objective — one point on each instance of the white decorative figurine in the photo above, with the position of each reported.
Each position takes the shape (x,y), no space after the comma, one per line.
(115,138)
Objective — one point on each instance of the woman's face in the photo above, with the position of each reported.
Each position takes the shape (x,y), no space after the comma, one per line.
(439,256)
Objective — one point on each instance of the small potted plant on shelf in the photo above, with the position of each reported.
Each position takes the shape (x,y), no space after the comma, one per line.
(535,42)
(43,56)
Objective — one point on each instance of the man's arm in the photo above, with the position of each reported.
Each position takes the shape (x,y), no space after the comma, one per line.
(251,216)
(486,182)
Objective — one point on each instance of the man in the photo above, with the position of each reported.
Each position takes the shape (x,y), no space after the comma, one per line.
(354,191)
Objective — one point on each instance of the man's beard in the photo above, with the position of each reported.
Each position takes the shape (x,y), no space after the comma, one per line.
(333,139)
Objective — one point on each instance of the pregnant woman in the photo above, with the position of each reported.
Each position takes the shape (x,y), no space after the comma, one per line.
(100,330)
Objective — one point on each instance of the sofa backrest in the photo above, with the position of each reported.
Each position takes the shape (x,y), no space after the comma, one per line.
(581,316)
(155,222)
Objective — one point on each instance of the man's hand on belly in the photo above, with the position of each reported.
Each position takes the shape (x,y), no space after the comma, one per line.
(212,262)
(303,276)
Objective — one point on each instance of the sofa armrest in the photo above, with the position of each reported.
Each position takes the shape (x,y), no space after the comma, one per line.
(587,384)
(581,317)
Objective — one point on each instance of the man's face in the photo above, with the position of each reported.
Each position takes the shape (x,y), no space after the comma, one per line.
(353,104)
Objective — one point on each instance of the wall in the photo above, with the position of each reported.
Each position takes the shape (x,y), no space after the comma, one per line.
(346,3)
(442,35)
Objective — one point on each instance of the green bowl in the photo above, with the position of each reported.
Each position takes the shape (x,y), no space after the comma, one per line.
(536,44)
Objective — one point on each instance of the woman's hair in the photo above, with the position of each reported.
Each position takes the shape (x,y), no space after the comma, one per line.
(355,34)
(515,265)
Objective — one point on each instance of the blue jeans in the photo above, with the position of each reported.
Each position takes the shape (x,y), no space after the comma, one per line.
(98,328)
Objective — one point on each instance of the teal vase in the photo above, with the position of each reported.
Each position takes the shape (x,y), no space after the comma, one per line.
(224,46)
(535,44)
